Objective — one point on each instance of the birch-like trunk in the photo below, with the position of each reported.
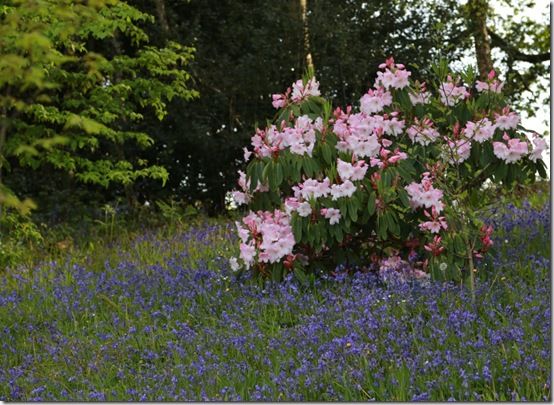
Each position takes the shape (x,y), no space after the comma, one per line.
(307,52)
(478,10)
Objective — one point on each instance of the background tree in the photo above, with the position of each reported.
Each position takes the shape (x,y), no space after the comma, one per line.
(245,51)
(477,22)
(508,35)
(349,40)
(66,107)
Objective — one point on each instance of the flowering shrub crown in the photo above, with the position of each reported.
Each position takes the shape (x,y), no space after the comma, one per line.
(398,180)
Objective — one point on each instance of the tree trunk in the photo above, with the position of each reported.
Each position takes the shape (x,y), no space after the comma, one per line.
(307,52)
(162,17)
(478,10)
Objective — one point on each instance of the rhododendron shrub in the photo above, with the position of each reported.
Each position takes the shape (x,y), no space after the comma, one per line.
(397,179)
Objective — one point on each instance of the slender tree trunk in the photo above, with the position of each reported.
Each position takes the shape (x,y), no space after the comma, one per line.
(3,132)
(307,52)
(478,10)
(162,17)
(119,150)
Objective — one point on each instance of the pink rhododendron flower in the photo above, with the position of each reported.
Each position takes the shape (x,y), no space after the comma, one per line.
(375,100)
(386,158)
(355,132)
(346,189)
(332,214)
(267,142)
(479,131)
(291,205)
(494,86)
(423,132)
(352,172)
(435,223)
(511,151)
(457,151)
(312,188)
(247,253)
(301,138)
(394,75)
(450,93)
(269,236)
(393,126)
(539,147)
(491,84)
(279,100)
(240,198)
(401,78)
(344,169)
(486,232)
(304,209)
(507,120)
(435,246)
(244,196)
(300,91)
(360,169)
(422,97)
(425,195)
(242,232)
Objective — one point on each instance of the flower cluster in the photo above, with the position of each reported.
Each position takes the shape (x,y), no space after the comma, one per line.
(309,190)
(479,131)
(423,194)
(450,93)
(511,150)
(395,75)
(423,132)
(312,189)
(375,100)
(507,120)
(420,95)
(356,134)
(486,241)
(457,151)
(348,171)
(300,138)
(387,158)
(492,84)
(539,147)
(265,236)
(244,196)
(332,214)
(300,92)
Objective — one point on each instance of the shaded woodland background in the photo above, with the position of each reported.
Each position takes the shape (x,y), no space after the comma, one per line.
(246,50)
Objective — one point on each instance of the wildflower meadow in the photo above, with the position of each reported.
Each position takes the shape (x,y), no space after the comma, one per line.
(164,318)
(291,200)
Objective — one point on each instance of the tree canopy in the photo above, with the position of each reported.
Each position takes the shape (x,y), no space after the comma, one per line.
(84,85)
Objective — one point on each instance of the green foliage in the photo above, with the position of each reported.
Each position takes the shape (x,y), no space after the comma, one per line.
(65,105)
(18,236)
(522,37)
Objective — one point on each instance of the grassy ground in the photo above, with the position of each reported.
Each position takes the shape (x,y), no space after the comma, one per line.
(160,316)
